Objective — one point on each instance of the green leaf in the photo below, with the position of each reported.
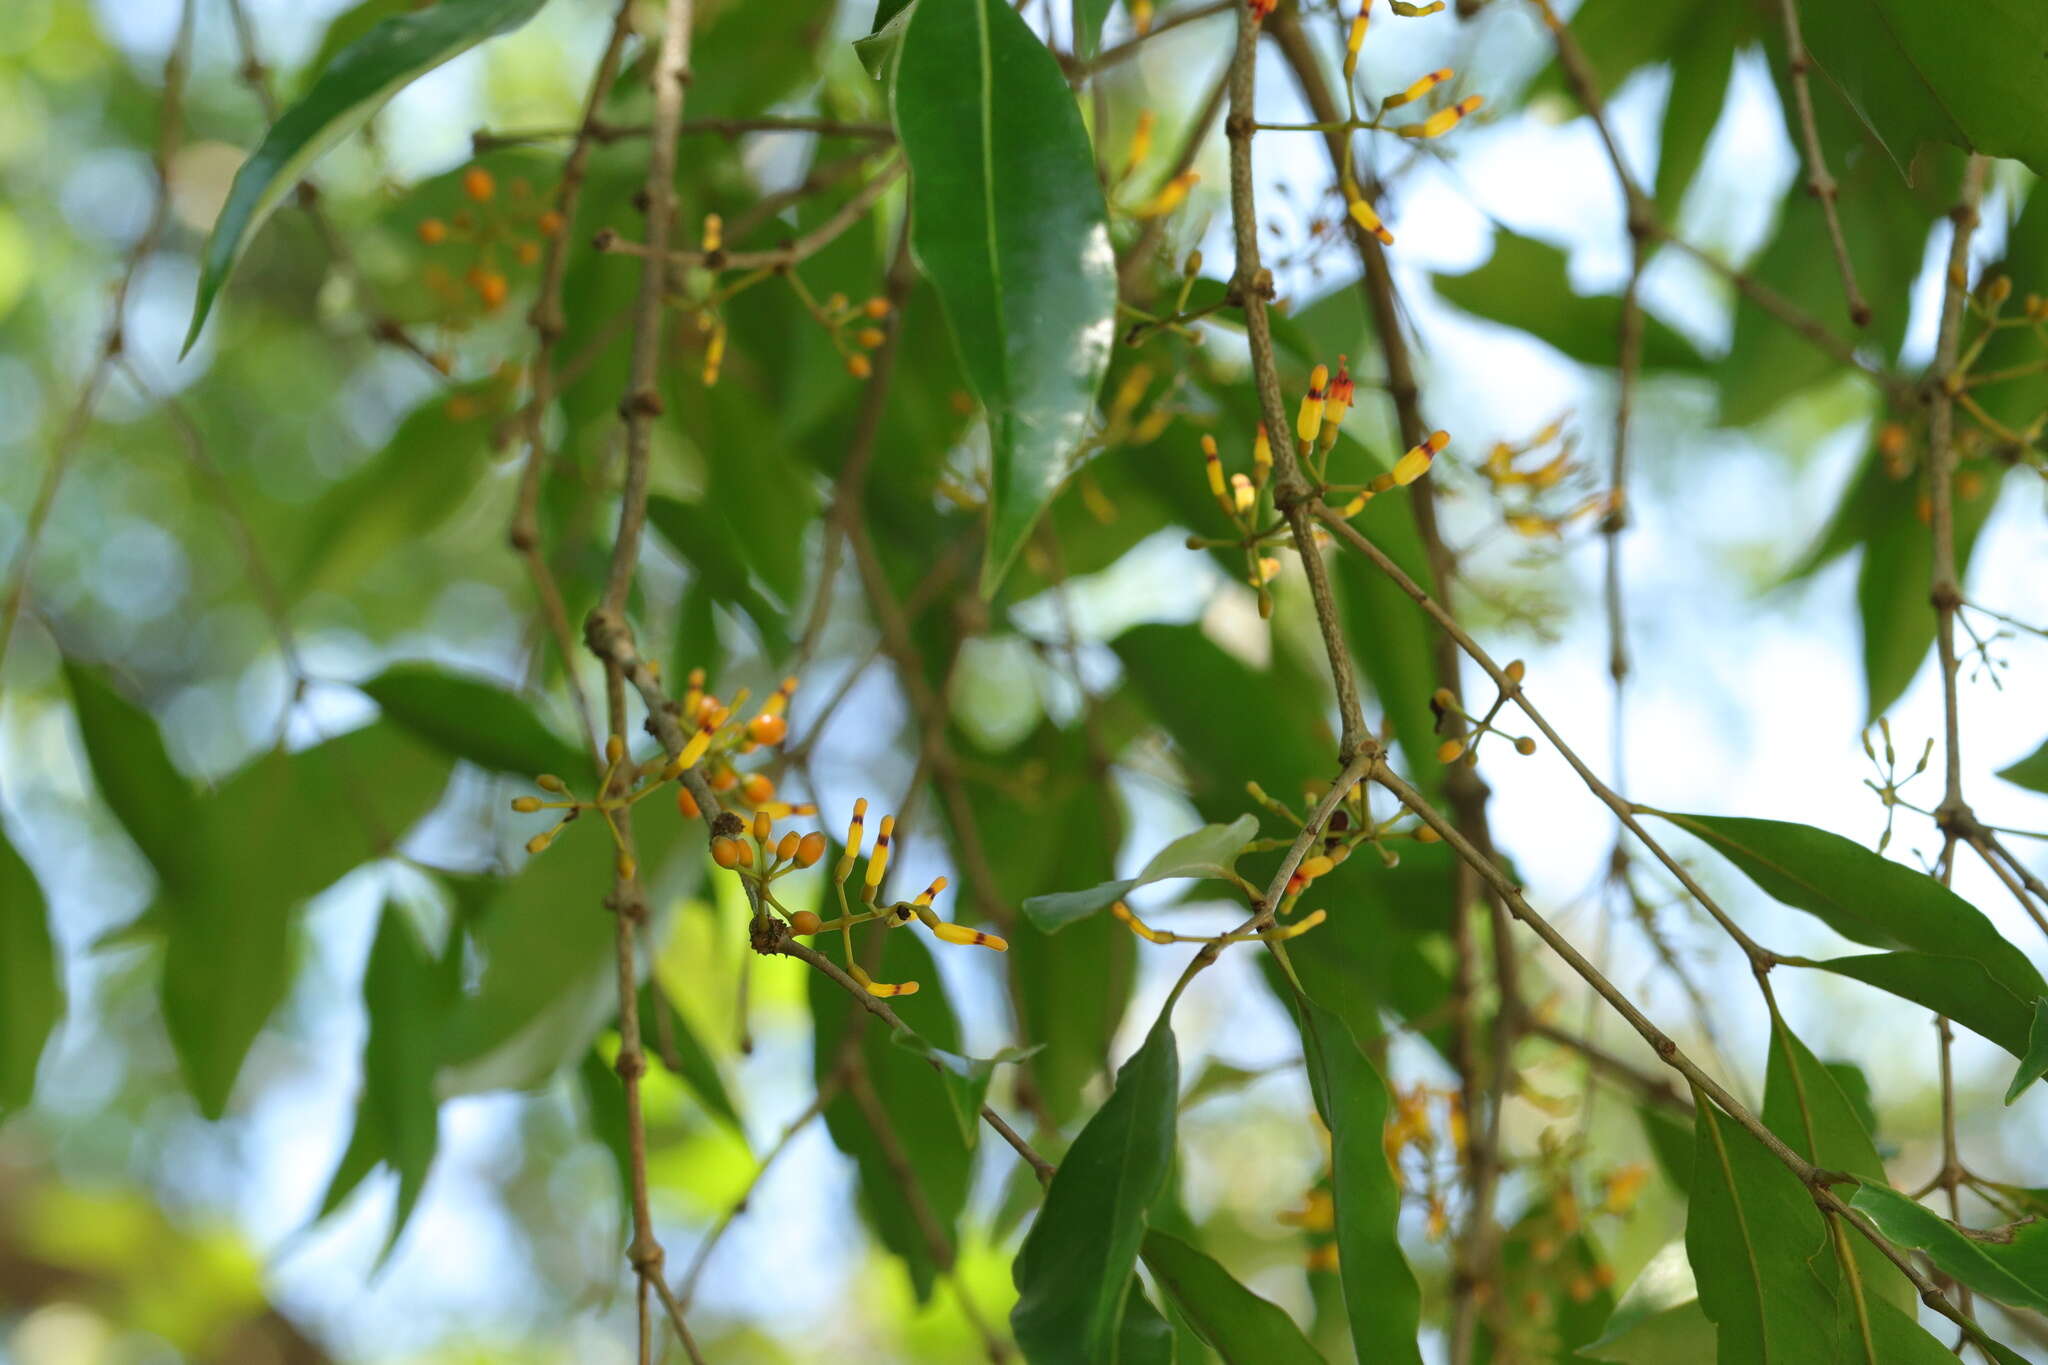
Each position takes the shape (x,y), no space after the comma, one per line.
(1970,76)
(604,1104)
(1380,1295)
(472,718)
(1659,1320)
(663,1027)
(1700,67)
(913,1096)
(2009,1264)
(2018,400)
(1861,895)
(1892,580)
(1763,1258)
(2034,1065)
(1955,986)
(708,545)
(280,830)
(548,945)
(1073,1272)
(1804,1105)
(1243,1328)
(397,1116)
(153,800)
(1145,1337)
(1199,695)
(1088,17)
(1008,221)
(366,73)
(966,1078)
(1207,853)
(31,992)
(1671,1142)
(1524,285)
(2030,772)
(1400,664)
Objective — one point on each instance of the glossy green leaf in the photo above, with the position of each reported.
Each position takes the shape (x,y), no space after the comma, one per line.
(1241,1327)
(1073,1273)
(1764,1260)
(1380,1295)
(907,1089)
(363,75)
(2009,1264)
(1207,853)
(668,1038)
(1969,76)
(473,718)
(1145,1337)
(1008,221)
(31,991)
(2030,772)
(1525,285)
(1399,663)
(1805,1106)
(1088,17)
(1955,986)
(397,1115)
(2034,1065)
(1671,1143)
(966,1078)
(1861,895)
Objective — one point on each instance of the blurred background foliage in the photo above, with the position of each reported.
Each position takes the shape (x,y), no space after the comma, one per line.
(273,597)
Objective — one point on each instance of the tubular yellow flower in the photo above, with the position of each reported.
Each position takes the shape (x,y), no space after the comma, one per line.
(1242,493)
(878,861)
(1422,86)
(1262,457)
(1308,422)
(1141,140)
(1443,120)
(1356,39)
(714,353)
(1416,462)
(1170,197)
(1215,470)
(960,933)
(1367,217)
(884,989)
(714,232)
(853,841)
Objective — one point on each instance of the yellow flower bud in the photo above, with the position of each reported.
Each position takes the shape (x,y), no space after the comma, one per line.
(548,782)
(1449,750)
(1308,422)
(526,805)
(1418,89)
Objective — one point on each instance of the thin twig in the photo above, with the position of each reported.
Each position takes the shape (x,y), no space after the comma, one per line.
(797,251)
(1819,183)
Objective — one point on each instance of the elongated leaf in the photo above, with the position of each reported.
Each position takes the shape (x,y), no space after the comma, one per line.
(283,828)
(1971,76)
(1764,1261)
(2030,772)
(664,1030)
(1700,67)
(2008,1264)
(707,544)
(966,1078)
(397,1116)
(1380,1295)
(1804,1105)
(31,992)
(472,718)
(908,1091)
(1391,640)
(1240,1326)
(1861,895)
(1208,852)
(147,794)
(2034,1065)
(1955,986)
(1073,1273)
(1008,221)
(1659,1320)
(1524,285)
(1145,1337)
(363,75)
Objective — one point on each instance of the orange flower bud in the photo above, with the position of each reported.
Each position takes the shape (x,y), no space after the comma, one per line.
(1449,750)
(686,804)
(726,852)
(790,843)
(549,223)
(757,790)
(870,337)
(810,848)
(767,729)
(876,308)
(478,185)
(528,253)
(858,366)
(1525,746)
(804,922)
(432,231)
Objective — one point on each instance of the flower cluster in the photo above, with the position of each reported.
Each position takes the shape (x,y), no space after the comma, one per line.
(499,232)
(1529,491)
(717,737)
(1445,704)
